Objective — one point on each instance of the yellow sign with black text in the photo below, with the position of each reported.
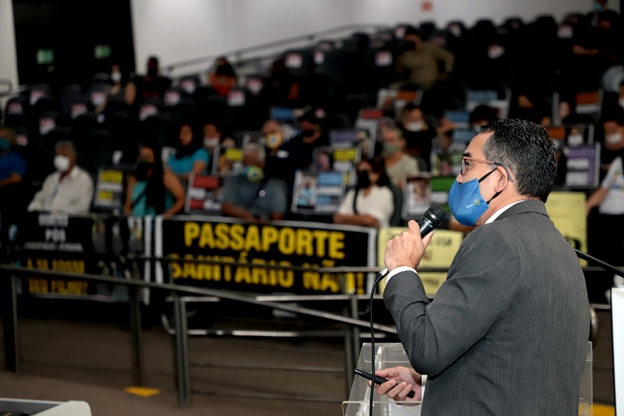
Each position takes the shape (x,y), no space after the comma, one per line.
(439,254)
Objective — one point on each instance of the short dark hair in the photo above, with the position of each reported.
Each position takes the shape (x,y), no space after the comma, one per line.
(527,150)
(411,30)
(378,165)
(483,112)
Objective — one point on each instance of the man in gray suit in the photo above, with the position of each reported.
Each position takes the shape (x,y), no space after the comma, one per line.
(507,332)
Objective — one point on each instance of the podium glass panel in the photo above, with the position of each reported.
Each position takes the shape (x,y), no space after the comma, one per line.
(392,355)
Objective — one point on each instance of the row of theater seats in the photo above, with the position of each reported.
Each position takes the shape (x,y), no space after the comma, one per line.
(340,76)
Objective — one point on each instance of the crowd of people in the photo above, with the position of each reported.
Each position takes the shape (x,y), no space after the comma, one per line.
(412,139)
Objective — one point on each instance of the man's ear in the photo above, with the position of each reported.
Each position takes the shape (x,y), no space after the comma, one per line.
(503,180)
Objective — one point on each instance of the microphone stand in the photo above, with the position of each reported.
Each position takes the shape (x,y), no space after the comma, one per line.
(599,262)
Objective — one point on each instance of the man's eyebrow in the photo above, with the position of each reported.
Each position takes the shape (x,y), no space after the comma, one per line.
(466,154)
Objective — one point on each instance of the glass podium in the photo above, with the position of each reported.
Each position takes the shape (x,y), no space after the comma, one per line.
(392,355)
(20,407)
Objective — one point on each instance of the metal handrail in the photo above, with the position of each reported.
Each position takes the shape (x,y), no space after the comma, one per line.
(222,294)
(8,302)
(274,44)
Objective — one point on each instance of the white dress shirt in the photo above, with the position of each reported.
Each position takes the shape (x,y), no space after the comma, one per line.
(71,195)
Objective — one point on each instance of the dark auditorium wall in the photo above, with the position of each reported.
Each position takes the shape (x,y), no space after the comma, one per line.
(72,29)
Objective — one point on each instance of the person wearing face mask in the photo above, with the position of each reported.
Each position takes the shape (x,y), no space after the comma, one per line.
(511,322)
(117,91)
(399,165)
(420,61)
(418,135)
(301,148)
(613,133)
(223,77)
(371,203)
(151,190)
(605,211)
(69,190)
(190,156)
(251,195)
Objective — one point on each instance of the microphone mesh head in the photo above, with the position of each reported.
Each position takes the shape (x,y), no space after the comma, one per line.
(436,214)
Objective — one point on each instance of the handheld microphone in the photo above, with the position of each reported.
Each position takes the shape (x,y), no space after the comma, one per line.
(431,219)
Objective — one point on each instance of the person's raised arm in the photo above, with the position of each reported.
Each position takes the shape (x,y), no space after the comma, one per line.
(474,296)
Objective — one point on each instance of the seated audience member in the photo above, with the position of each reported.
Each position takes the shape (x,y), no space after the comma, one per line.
(301,148)
(371,203)
(251,195)
(398,164)
(119,80)
(223,78)
(117,90)
(12,164)
(150,85)
(278,164)
(420,60)
(151,190)
(482,114)
(68,190)
(190,156)
(418,133)
(287,83)
(530,106)
(613,132)
(214,135)
(12,169)
(609,201)
(273,136)
(225,166)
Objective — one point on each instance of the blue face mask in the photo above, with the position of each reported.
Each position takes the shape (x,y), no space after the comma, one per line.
(597,7)
(466,203)
(5,144)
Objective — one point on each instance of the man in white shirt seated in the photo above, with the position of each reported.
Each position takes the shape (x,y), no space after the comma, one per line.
(69,190)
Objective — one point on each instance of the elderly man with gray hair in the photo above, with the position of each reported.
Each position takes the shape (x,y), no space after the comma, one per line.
(252,196)
(69,190)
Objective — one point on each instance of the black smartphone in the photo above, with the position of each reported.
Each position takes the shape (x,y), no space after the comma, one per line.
(378,379)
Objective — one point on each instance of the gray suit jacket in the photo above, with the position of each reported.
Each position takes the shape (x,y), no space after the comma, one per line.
(507,331)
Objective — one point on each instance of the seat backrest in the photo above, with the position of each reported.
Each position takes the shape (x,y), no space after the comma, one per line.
(397,216)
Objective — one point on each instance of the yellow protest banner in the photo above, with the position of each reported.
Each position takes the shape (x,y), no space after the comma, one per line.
(567,212)
(440,253)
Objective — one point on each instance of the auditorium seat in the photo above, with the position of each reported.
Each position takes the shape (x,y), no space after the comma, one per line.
(95,151)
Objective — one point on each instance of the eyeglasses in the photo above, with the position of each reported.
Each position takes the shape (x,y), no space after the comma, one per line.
(466,164)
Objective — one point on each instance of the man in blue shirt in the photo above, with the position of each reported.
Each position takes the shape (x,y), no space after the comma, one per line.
(12,168)
(12,164)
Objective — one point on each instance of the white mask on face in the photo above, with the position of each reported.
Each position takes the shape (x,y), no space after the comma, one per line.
(116,77)
(211,141)
(575,140)
(61,163)
(621,102)
(415,126)
(614,138)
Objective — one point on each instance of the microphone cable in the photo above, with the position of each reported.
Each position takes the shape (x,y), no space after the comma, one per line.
(378,279)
